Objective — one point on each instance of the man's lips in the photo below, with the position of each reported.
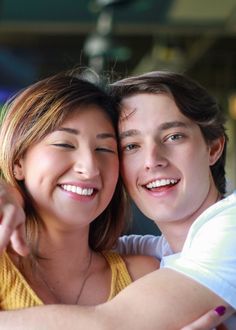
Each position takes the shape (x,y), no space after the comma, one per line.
(159,183)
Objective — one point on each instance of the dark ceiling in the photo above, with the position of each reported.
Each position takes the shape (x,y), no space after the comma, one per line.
(38,38)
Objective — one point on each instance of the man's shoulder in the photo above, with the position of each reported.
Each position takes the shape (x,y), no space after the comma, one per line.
(223,211)
(151,245)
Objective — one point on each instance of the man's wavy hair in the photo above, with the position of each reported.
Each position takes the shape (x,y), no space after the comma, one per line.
(192,100)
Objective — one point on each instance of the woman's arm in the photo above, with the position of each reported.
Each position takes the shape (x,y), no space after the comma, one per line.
(156,301)
(161,300)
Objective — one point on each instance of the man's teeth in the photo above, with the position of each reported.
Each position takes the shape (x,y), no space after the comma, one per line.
(78,190)
(161,183)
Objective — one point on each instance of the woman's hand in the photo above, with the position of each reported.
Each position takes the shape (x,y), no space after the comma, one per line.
(12,220)
(211,320)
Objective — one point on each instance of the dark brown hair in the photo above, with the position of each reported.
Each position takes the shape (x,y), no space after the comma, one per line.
(193,102)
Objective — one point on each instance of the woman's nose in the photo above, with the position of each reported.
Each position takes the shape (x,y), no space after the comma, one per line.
(87,165)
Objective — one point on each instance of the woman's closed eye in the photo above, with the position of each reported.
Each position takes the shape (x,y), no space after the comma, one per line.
(106,149)
(64,145)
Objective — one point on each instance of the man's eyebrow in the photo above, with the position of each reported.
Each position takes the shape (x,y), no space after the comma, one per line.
(162,127)
(77,132)
(129,133)
(173,124)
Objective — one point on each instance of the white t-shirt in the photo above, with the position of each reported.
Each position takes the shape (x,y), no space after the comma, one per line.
(149,245)
(209,252)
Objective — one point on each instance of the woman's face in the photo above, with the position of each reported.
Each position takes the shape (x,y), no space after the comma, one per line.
(72,173)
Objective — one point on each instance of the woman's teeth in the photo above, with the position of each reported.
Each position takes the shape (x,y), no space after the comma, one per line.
(78,190)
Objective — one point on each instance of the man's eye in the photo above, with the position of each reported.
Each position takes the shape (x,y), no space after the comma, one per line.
(174,137)
(130,147)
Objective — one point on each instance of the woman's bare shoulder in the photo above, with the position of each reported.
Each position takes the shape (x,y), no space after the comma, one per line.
(139,266)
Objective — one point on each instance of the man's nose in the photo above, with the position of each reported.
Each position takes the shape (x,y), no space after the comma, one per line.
(155,157)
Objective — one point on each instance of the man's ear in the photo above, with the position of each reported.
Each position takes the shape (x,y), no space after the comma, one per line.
(216,148)
(18,170)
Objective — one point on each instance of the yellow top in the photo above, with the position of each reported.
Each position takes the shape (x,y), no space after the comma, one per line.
(120,277)
(16,293)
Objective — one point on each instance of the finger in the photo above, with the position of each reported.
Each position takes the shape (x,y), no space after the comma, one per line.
(18,241)
(6,227)
(5,234)
(10,220)
(207,321)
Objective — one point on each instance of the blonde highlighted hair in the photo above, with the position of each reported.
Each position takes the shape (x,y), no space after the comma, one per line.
(34,113)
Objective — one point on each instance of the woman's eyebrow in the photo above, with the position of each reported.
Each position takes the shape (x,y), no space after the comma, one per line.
(77,132)
(68,130)
(106,136)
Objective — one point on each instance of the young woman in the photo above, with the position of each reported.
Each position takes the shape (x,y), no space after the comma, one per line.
(59,149)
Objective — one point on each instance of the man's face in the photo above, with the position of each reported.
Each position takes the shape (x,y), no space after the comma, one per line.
(165,159)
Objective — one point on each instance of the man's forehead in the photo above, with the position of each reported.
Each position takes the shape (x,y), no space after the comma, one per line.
(127,112)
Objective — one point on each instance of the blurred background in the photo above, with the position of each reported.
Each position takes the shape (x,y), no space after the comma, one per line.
(123,37)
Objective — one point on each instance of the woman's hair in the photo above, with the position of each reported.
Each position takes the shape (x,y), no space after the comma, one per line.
(29,117)
(193,102)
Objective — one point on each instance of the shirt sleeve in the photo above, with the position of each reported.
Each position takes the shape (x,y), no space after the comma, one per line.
(150,245)
(209,253)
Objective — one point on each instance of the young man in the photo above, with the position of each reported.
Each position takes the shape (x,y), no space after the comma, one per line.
(173,154)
